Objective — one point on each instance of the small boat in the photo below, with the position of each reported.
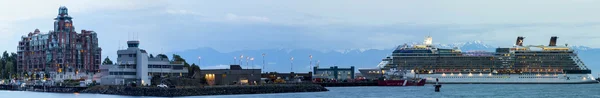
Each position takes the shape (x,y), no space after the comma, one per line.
(402,82)
(396,78)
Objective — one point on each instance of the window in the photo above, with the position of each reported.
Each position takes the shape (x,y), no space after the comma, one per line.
(178,67)
(122,73)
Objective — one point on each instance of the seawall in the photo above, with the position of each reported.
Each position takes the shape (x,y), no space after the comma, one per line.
(208,90)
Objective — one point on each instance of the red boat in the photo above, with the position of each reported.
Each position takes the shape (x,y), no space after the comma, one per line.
(410,82)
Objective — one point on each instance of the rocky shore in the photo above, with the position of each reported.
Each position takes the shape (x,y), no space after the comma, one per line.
(209,90)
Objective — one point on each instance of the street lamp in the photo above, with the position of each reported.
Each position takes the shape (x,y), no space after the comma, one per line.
(241,57)
(252,59)
(310,64)
(263,55)
(292,64)
(247,59)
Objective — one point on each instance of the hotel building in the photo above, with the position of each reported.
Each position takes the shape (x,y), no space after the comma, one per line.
(62,53)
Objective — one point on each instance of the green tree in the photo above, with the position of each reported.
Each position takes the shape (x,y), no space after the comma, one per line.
(194,71)
(151,56)
(8,70)
(178,60)
(107,61)
(13,58)
(5,63)
(162,56)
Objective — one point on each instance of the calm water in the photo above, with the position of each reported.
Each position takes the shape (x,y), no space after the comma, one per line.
(448,91)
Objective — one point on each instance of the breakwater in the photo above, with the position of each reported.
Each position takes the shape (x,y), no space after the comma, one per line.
(40,88)
(208,90)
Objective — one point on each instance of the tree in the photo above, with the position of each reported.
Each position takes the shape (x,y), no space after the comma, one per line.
(162,56)
(107,61)
(8,70)
(156,80)
(13,58)
(178,60)
(6,63)
(151,56)
(194,71)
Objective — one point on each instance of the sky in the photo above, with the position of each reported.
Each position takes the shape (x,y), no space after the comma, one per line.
(165,26)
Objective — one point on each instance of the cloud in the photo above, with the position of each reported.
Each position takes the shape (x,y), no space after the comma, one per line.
(182,12)
(235,17)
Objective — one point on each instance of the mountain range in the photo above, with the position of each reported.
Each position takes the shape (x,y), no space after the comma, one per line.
(280,59)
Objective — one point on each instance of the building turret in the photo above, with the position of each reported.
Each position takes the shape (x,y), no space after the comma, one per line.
(63,22)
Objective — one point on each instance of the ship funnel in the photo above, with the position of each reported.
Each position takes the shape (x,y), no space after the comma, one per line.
(520,41)
(553,41)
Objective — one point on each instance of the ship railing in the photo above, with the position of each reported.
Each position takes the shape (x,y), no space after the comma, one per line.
(579,62)
(382,64)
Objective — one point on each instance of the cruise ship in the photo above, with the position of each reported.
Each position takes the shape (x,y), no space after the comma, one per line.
(531,64)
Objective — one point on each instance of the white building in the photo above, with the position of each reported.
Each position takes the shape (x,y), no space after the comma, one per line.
(134,66)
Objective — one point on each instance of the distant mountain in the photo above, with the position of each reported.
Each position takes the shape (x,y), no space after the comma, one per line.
(279,59)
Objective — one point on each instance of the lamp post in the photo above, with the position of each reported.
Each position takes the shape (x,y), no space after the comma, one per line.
(241,57)
(263,55)
(310,64)
(252,59)
(199,58)
(247,59)
(292,64)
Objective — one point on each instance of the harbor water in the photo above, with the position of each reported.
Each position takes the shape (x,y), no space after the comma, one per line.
(447,91)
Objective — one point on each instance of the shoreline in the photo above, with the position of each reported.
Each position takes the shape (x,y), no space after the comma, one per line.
(204,91)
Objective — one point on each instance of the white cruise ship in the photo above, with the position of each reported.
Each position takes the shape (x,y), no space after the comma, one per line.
(534,64)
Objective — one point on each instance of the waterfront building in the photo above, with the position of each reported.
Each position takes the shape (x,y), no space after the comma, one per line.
(62,53)
(232,76)
(334,72)
(134,66)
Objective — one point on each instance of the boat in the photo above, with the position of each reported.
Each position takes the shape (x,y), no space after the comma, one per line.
(399,78)
(531,64)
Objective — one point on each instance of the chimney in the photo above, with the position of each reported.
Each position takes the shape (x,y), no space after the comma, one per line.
(553,41)
(520,41)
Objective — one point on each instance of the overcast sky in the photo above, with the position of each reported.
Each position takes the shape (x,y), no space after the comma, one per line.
(176,25)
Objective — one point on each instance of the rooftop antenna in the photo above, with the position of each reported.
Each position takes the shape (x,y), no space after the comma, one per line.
(136,36)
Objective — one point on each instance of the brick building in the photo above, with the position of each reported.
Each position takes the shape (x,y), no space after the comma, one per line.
(62,53)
